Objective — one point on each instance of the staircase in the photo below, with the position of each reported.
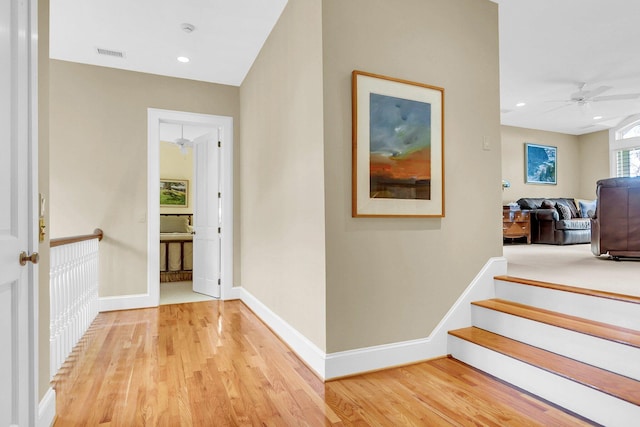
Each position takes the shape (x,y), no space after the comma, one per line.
(576,348)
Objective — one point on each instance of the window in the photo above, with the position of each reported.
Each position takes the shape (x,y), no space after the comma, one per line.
(634,132)
(628,162)
(624,146)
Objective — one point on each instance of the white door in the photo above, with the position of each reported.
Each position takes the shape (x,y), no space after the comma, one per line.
(206,215)
(16,345)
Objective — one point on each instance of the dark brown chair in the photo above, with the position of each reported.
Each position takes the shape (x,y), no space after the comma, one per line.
(615,228)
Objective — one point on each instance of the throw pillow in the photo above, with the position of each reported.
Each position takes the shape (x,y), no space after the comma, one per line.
(564,211)
(587,208)
(174,224)
(527,204)
(570,203)
(547,204)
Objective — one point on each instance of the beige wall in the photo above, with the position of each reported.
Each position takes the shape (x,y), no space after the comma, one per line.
(513,167)
(594,162)
(582,160)
(391,280)
(43,188)
(175,165)
(98,157)
(282,187)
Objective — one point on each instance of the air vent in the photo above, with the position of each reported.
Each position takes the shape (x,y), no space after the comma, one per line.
(108,52)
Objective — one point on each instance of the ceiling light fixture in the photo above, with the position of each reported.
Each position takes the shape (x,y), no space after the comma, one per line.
(521,104)
(183,142)
(597,117)
(183,59)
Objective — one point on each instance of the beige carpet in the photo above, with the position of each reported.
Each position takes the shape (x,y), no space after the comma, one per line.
(573,265)
(180,292)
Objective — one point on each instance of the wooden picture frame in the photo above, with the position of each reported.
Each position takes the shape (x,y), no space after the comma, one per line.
(397,147)
(540,163)
(174,193)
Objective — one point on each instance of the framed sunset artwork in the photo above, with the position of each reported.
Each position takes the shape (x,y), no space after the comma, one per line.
(397,147)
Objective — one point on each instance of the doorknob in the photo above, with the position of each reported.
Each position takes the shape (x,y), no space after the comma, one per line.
(34,258)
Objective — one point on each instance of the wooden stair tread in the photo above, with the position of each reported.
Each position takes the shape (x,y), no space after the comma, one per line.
(572,289)
(602,330)
(607,382)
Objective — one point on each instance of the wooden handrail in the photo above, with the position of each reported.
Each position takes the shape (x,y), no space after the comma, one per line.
(97,234)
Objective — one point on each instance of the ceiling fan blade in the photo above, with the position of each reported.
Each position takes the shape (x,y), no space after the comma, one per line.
(596,92)
(616,97)
(566,104)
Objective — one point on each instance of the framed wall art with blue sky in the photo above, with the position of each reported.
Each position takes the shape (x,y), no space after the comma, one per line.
(397,148)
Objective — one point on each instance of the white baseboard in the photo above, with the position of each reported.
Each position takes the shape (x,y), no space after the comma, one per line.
(351,362)
(235,292)
(47,409)
(312,356)
(125,302)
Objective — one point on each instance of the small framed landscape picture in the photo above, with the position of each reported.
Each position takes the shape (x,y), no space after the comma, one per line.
(540,164)
(174,192)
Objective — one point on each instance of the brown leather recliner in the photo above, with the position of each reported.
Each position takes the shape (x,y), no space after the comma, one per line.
(615,228)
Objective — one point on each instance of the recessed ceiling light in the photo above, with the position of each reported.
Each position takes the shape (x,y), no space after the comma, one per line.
(183,59)
(521,104)
(597,117)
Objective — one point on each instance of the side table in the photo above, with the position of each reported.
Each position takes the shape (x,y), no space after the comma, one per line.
(516,224)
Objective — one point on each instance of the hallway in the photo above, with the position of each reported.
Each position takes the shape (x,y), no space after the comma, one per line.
(215,363)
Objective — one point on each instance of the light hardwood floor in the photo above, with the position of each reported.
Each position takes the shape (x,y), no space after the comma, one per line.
(216,364)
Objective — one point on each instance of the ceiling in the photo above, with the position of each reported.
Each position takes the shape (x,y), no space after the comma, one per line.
(547,49)
(227,37)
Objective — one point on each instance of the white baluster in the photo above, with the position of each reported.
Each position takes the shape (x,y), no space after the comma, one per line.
(73,295)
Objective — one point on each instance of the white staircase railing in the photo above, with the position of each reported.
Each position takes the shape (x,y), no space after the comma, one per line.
(73,288)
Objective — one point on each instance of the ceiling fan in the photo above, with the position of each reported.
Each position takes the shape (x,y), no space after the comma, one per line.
(584,97)
(183,142)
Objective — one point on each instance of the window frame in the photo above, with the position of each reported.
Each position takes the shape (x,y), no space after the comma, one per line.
(617,143)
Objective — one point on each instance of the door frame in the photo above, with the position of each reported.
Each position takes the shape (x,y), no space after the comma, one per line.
(225,125)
